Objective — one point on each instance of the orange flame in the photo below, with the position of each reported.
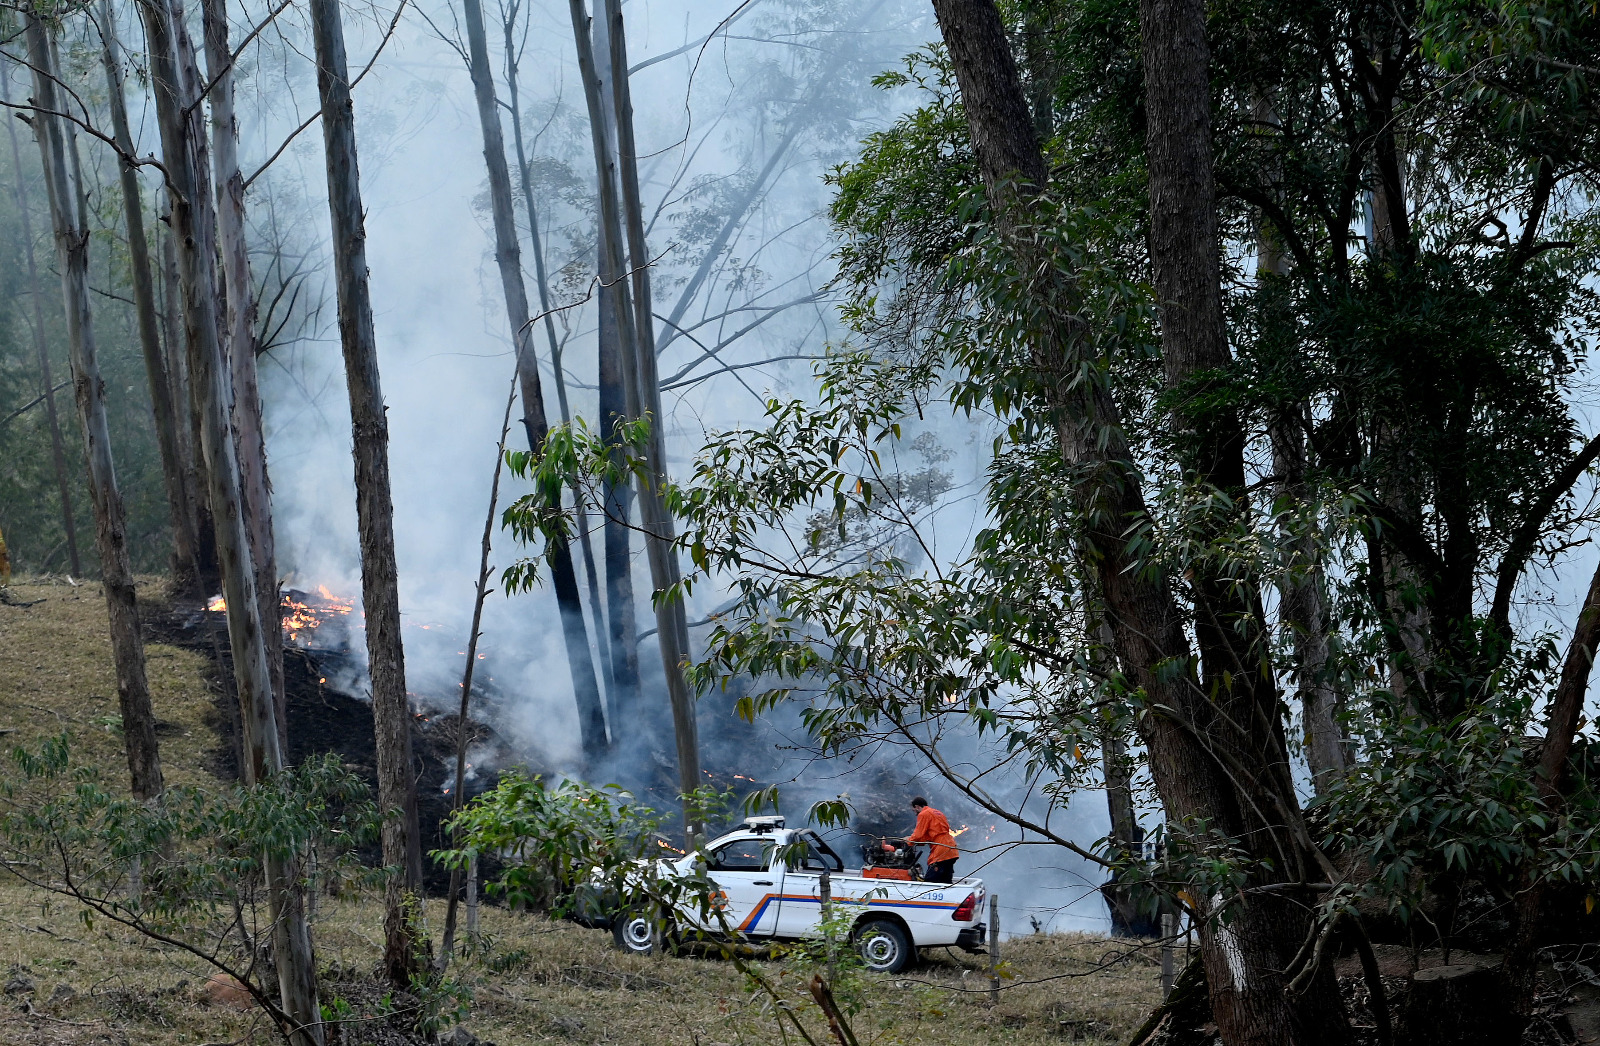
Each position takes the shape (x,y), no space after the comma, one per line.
(301,617)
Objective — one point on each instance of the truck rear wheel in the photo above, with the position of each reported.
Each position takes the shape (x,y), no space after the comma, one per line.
(884,945)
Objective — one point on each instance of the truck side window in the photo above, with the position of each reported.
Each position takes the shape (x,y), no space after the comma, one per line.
(819,857)
(741,855)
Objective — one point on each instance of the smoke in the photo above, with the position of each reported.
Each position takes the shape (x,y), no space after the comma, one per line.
(783,99)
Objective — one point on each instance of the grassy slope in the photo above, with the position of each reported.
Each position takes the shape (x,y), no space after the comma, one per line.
(555,981)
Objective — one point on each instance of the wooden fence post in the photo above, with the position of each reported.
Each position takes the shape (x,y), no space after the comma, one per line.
(994,949)
(825,889)
(1169,931)
(472,900)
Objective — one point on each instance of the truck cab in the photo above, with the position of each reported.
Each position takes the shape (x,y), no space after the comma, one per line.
(767,881)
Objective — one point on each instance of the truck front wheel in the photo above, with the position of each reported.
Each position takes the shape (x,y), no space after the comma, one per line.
(884,945)
(631,931)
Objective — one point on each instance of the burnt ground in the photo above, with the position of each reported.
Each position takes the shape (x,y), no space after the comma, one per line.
(323,719)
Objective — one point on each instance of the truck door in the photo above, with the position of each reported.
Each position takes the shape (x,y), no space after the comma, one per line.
(746,891)
(801,914)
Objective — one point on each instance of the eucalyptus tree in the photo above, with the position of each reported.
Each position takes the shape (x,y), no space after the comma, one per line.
(380,590)
(508,256)
(239,335)
(177,88)
(64,188)
(58,453)
(174,470)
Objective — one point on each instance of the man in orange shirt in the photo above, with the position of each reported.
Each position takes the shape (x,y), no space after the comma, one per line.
(933,829)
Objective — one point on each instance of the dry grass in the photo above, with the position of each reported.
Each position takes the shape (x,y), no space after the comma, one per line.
(535,981)
(56,676)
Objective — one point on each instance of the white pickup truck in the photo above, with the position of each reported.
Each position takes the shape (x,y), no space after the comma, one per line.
(768,887)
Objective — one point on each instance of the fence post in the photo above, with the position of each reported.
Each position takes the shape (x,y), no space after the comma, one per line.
(313,882)
(1169,931)
(994,949)
(655,907)
(472,900)
(825,891)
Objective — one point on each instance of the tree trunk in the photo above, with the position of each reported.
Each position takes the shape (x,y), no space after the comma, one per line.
(240,345)
(630,720)
(1301,609)
(541,277)
(508,255)
(1249,1005)
(64,188)
(185,572)
(1550,779)
(1457,1006)
(380,591)
(672,625)
(641,389)
(188,422)
(630,715)
(1195,756)
(176,80)
(1303,614)
(58,449)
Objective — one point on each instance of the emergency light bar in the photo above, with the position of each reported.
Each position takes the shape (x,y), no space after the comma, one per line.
(761,825)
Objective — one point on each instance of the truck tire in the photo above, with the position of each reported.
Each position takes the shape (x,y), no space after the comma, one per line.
(631,932)
(884,945)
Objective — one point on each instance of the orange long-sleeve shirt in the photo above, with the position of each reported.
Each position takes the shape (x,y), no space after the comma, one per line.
(933,828)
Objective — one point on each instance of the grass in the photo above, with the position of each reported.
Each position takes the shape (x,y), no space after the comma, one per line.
(533,981)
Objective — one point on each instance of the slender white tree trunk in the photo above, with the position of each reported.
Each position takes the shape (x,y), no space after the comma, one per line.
(643,398)
(672,625)
(186,564)
(47,388)
(175,78)
(64,186)
(380,588)
(239,343)
(508,256)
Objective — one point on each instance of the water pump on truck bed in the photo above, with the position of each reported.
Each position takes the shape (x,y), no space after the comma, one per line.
(886,858)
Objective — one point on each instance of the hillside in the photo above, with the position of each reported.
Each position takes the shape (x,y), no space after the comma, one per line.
(534,981)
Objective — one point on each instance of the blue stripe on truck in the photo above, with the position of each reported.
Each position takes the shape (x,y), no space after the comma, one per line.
(761,907)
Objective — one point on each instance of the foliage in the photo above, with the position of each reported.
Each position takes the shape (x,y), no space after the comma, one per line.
(187,870)
(554,839)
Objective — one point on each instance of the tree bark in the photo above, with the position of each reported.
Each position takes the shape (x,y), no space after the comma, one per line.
(672,624)
(176,80)
(209,575)
(58,449)
(630,720)
(508,255)
(1550,780)
(541,278)
(185,573)
(1195,755)
(380,591)
(184,399)
(64,188)
(1301,609)
(240,344)
(617,395)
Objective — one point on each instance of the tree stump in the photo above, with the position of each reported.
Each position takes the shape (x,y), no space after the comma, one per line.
(1456,1005)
